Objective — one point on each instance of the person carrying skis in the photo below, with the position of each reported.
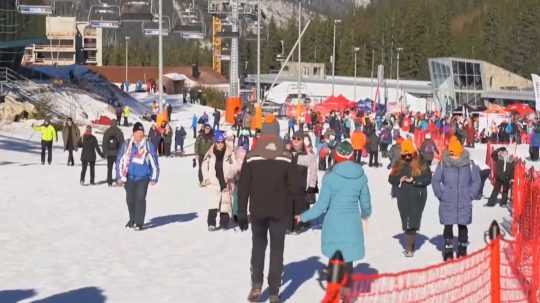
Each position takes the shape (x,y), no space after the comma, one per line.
(113,138)
(137,167)
(346,202)
(71,136)
(90,146)
(219,169)
(410,178)
(48,135)
(455,183)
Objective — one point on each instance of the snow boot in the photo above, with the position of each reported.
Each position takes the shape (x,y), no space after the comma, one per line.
(254,294)
(462,249)
(491,202)
(410,239)
(212,228)
(130,224)
(274,299)
(448,250)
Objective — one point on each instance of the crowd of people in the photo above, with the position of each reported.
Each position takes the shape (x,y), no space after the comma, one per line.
(257,177)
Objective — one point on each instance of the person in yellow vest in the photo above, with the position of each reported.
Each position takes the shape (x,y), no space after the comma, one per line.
(125,114)
(48,134)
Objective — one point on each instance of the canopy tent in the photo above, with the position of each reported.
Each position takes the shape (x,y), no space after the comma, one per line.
(523,110)
(339,103)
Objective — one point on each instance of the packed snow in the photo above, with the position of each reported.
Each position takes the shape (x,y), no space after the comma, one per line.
(62,242)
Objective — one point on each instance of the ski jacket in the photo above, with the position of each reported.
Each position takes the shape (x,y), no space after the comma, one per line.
(373,142)
(411,197)
(179,135)
(90,146)
(203,144)
(48,133)
(222,197)
(358,140)
(137,162)
(345,200)
(455,184)
(113,138)
(265,181)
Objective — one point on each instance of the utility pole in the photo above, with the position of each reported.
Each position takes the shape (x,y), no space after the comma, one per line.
(372,70)
(336,22)
(399,49)
(299,67)
(356,49)
(127,61)
(259,51)
(234,80)
(160,20)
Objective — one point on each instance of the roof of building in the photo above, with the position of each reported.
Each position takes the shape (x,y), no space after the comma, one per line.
(117,74)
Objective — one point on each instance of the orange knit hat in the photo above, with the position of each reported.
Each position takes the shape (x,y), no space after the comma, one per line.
(407,147)
(454,147)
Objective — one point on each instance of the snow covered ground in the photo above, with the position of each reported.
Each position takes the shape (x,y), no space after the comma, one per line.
(62,242)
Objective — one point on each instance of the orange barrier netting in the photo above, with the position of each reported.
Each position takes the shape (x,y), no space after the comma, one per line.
(503,271)
(463,280)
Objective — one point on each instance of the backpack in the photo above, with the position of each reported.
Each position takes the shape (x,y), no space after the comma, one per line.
(113,143)
(428,149)
(386,137)
(508,128)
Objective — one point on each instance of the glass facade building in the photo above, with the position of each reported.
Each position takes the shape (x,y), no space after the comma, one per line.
(456,82)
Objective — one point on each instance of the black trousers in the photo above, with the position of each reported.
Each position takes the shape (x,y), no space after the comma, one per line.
(46,145)
(200,168)
(373,159)
(299,204)
(484,175)
(92,165)
(119,117)
(126,121)
(110,164)
(463,233)
(260,229)
(223,218)
(136,200)
(166,149)
(179,143)
(71,160)
(195,133)
(357,155)
(497,189)
(533,152)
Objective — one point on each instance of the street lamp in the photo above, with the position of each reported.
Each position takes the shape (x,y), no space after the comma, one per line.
(126,82)
(160,55)
(356,50)
(259,52)
(399,49)
(336,22)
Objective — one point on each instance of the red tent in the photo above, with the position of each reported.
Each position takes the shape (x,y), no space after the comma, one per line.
(339,103)
(521,109)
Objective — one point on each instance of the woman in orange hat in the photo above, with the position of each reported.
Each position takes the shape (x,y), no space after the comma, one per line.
(410,177)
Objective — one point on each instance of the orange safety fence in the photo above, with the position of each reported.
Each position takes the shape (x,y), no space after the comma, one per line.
(505,270)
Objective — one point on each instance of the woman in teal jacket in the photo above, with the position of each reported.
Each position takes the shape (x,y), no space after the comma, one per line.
(345,199)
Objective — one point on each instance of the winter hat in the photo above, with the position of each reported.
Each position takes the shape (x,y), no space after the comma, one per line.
(219,137)
(298,134)
(454,147)
(344,152)
(407,147)
(138,127)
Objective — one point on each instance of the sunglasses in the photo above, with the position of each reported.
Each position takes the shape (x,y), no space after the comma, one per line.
(297,139)
(407,156)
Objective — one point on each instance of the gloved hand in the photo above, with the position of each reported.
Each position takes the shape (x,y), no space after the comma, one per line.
(243,222)
(194,163)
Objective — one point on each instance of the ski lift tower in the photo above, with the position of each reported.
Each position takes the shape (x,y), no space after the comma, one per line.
(232,11)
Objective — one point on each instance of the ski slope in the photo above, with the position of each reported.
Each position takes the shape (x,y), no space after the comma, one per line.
(62,242)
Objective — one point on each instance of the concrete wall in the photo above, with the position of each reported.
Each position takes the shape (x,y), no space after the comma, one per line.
(498,78)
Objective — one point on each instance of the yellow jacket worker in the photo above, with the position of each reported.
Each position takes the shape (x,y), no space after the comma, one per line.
(48,134)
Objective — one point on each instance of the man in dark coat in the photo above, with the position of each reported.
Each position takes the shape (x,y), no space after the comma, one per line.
(89,146)
(504,174)
(428,149)
(217,118)
(154,136)
(373,148)
(113,138)
(264,185)
(71,136)
(179,138)
(167,140)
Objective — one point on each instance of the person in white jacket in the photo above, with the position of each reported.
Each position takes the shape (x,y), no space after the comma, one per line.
(219,168)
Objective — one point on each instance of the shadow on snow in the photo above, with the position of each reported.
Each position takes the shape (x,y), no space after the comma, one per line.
(170,219)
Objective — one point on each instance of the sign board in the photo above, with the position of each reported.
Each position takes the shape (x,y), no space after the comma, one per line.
(536,85)
(35,10)
(105,24)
